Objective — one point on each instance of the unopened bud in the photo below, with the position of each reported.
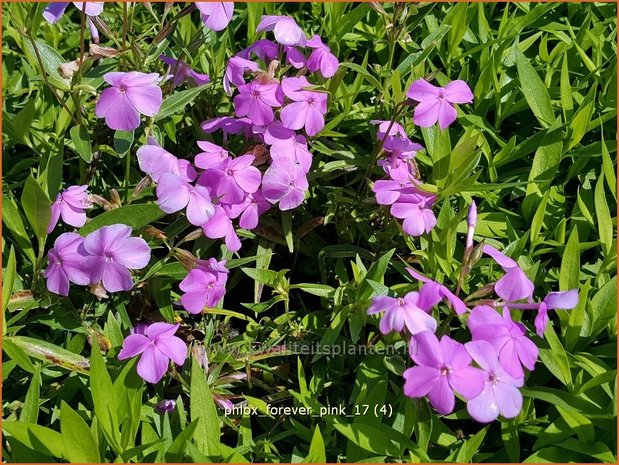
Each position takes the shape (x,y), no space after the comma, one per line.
(101,201)
(186,258)
(165,32)
(471,221)
(477,253)
(143,184)
(96,337)
(199,352)
(96,51)
(98,290)
(101,26)
(115,198)
(154,232)
(192,236)
(261,155)
(482,292)
(377,7)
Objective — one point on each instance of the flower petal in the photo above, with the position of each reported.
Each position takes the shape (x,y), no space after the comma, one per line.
(152,365)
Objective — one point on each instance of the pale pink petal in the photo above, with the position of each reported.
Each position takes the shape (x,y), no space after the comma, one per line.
(422,90)
(427,113)
(146,99)
(420,380)
(458,92)
(428,351)
(152,365)
(133,345)
(134,253)
(484,407)
(116,278)
(174,348)
(442,397)
(508,399)
(468,382)
(446,114)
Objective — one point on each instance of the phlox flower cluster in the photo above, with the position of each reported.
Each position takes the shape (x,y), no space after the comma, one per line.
(487,371)
(402,190)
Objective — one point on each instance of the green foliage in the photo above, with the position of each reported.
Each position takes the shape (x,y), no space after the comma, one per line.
(536,150)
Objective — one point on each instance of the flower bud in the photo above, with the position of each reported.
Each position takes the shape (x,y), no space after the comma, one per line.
(199,352)
(471,221)
(102,202)
(483,291)
(165,406)
(143,184)
(115,199)
(186,258)
(98,290)
(192,236)
(154,232)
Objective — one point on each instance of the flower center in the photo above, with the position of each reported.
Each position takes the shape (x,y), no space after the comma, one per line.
(445,370)
(256,94)
(291,183)
(441,94)
(122,88)
(109,258)
(310,100)
(229,172)
(493,378)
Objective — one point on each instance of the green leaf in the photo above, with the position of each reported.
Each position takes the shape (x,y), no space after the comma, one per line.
(176,451)
(123,140)
(602,212)
(203,407)
(287,229)
(603,309)
(81,141)
(534,90)
(30,408)
(13,221)
(37,208)
(50,353)
(103,398)
(317,452)
(8,280)
(580,121)
(177,101)
(137,216)
(36,437)
(569,276)
(51,62)
(365,73)
(79,445)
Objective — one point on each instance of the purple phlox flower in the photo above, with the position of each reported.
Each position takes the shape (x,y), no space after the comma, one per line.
(508,338)
(216,15)
(218,268)
(321,58)
(432,292)
(70,204)
(402,312)
(140,328)
(182,72)
(256,101)
(157,347)
(113,253)
(156,161)
(250,210)
(471,224)
(436,103)
(233,179)
(223,403)
(131,94)
(416,211)
(55,10)
(285,29)
(564,300)
(401,147)
(307,109)
(235,72)
(294,57)
(201,289)
(67,262)
(264,49)
(383,126)
(228,125)
(514,285)
(220,225)
(285,182)
(500,394)
(174,194)
(213,156)
(165,406)
(442,368)
(287,145)
(389,191)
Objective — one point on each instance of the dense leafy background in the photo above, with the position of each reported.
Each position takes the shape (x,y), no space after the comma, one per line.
(536,150)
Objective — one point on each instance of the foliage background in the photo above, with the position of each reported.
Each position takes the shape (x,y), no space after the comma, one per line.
(536,150)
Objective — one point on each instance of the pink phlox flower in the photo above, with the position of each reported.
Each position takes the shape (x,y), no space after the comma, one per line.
(508,338)
(233,179)
(216,15)
(235,72)
(383,127)
(416,211)
(183,72)
(70,205)
(228,125)
(256,101)
(307,109)
(432,292)
(436,103)
(156,161)
(321,58)
(264,49)
(564,300)
(285,29)
(165,406)
(250,210)
(67,263)
(113,252)
(130,95)
(174,194)
(401,147)
(157,347)
(286,145)
(442,367)
(500,394)
(213,156)
(294,57)
(201,289)
(220,225)
(55,10)
(285,182)
(401,312)
(514,285)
